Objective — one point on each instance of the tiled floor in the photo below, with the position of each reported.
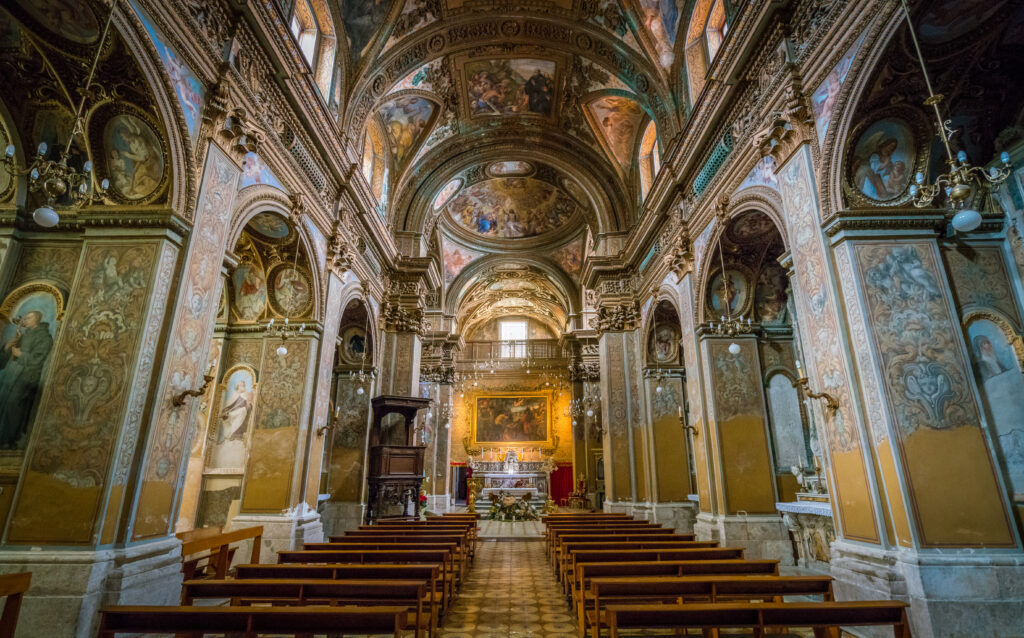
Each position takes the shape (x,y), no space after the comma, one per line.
(504,529)
(510,592)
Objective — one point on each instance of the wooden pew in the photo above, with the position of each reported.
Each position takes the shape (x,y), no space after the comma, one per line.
(426,572)
(469,526)
(461,541)
(13,586)
(564,558)
(635,590)
(652,534)
(612,555)
(387,531)
(824,618)
(555,534)
(218,544)
(442,557)
(582,516)
(457,563)
(253,621)
(554,530)
(359,593)
(586,571)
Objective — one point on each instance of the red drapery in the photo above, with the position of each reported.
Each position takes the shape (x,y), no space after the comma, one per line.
(561,482)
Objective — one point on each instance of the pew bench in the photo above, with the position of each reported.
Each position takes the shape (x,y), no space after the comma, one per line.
(672,553)
(360,593)
(577,533)
(585,572)
(214,550)
(253,621)
(633,590)
(824,619)
(13,588)
(564,557)
(456,562)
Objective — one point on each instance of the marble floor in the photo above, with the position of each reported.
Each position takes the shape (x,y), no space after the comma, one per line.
(508,530)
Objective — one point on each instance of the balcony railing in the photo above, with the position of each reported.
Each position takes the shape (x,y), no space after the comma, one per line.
(512,350)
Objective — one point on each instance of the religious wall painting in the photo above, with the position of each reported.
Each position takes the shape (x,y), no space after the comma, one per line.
(229,433)
(997,370)
(447,192)
(751,226)
(249,283)
(570,258)
(134,157)
(946,20)
(979,279)
(29,317)
(823,99)
(270,228)
(190,91)
(616,120)
(362,19)
(407,119)
(735,381)
(883,161)
(516,86)
(511,208)
(661,19)
(353,346)
(455,259)
(728,296)
(771,297)
(291,290)
(511,419)
(70,19)
(255,171)
(763,174)
(663,345)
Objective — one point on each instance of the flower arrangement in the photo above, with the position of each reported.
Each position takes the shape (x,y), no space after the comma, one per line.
(505,507)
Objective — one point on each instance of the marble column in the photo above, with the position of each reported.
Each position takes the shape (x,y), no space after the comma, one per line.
(622,406)
(737,442)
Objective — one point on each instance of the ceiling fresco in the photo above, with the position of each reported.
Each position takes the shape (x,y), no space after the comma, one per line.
(661,19)
(516,86)
(363,19)
(616,120)
(407,120)
(512,289)
(511,208)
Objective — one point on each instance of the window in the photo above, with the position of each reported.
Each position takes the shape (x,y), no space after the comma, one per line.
(313,30)
(304,29)
(513,335)
(704,38)
(650,161)
(716,29)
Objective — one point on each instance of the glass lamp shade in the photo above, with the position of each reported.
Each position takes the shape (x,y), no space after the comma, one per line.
(966,220)
(281,351)
(45,217)
(734,348)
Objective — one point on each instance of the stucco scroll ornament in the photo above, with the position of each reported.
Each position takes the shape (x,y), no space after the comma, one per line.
(339,250)
(232,126)
(784,130)
(928,384)
(400,319)
(617,318)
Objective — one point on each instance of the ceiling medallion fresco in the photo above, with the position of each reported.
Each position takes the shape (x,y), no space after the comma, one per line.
(521,86)
(511,208)
(510,168)
(661,17)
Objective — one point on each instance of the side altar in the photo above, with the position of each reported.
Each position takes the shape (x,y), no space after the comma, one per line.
(512,477)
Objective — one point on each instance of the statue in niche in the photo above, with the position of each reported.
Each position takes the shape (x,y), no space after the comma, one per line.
(511,464)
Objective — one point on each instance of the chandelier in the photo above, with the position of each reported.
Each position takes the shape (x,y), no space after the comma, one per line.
(54,178)
(962,178)
(363,376)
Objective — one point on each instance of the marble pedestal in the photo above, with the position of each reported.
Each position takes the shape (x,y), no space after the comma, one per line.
(69,587)
(679,516)
(951,593)
(339,516)
(281,532)
(764,536)
(438,503)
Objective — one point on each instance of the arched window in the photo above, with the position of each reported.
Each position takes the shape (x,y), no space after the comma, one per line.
(707,30)
(650,158)
(314,32)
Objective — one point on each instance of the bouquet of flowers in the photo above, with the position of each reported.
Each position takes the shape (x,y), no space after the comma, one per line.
(506,507)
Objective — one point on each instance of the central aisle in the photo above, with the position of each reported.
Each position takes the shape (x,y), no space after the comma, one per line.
(509,592)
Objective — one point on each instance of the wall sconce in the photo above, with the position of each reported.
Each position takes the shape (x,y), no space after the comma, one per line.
(831,404)
(332,423)
(692,429)
(179,399)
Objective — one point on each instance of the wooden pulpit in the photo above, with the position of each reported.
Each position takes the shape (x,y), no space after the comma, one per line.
(396,465)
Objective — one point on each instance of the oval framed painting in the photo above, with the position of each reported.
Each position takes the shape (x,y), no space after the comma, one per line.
(883,156)
(736,295)
(270,228)
(663,345)
(249,284)
(134,156)
(291,290)
(353,345)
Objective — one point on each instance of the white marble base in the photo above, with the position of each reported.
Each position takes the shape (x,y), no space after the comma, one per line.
(69,587)
(679,516)
(763,536)
(281,532)
(337,517)
(438,503)
(952,593)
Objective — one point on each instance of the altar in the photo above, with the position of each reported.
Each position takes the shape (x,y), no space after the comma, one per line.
(512,477)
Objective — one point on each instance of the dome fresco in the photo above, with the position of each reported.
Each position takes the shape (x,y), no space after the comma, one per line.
(511,208)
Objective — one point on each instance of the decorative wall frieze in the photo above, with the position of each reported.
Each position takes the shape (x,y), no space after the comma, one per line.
(620,317)
(443,374)
(584,371)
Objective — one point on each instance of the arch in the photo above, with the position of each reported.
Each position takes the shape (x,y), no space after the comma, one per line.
(267,199)
(464,280)
(352,291)
(758,198)
(667,296)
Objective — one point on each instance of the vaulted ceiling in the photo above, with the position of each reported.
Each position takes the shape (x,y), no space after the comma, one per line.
(512,128)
